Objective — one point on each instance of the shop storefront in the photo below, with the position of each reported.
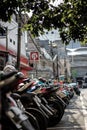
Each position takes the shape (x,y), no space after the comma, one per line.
(3,59)
(11,57)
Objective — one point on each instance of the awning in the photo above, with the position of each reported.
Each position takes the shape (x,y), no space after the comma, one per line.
(25,66)
(3,48)
(24,61)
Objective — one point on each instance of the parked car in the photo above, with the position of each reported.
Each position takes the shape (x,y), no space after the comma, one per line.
(84,84)
(76,88)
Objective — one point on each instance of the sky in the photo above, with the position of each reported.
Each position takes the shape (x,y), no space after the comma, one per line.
(51,35)
(57,2)
(55,35)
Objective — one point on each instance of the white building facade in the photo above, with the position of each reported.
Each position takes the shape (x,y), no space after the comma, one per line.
(78,60)
(9,44)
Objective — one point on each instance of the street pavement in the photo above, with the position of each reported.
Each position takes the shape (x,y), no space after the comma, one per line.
(75,116)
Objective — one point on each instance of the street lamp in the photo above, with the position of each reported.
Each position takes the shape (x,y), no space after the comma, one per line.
(55,57)
(57,68)
(65,66)
(52,55)
(51,44)
(56,46)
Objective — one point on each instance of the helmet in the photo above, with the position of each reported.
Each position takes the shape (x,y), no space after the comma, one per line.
(42,79)
(9,68)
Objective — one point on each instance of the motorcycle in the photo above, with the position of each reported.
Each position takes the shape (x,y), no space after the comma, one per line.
(12,117)
(52,110)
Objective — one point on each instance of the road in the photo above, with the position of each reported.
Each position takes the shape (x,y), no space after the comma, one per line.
(75,116)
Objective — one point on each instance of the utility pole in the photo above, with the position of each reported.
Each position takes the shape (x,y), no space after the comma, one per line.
(19,41)
(52,54)
(65,66)
(57,61)
(57,68)
(6,38)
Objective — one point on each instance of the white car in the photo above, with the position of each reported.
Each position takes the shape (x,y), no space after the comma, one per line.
(73,84)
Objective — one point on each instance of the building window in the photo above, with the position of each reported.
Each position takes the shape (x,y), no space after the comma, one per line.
(13,42)
(10,40)
(46,32)
(44,64)
(52,32)
(2,31)
(2,63)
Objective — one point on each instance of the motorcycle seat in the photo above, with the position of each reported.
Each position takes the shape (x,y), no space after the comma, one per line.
(4,76)
(27,96)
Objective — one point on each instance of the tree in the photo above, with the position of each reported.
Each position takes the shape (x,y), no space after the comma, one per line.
(70,16)
(73,15)
(42,13)
(9,7)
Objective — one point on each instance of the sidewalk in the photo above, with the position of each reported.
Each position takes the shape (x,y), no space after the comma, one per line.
(73,118)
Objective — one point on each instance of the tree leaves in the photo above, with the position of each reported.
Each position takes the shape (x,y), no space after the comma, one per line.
(74,15)
(70,17)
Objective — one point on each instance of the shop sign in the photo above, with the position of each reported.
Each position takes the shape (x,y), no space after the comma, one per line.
(34,56)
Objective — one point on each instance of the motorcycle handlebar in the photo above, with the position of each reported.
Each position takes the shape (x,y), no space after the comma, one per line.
(11,81)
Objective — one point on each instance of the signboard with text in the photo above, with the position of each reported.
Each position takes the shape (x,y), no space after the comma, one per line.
(34,56)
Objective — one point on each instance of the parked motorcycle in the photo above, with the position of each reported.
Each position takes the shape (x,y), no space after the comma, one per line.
(52,110)
(12,117)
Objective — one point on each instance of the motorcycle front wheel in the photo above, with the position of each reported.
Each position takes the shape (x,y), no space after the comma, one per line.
(26,125)
(42,121)
(33,121)
(58,113)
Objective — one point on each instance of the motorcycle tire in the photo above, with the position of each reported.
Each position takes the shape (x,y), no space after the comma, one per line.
(66,100)
(60,100)
(26,125)
(58,113)
(40,118)
(7,124)
(33,120)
